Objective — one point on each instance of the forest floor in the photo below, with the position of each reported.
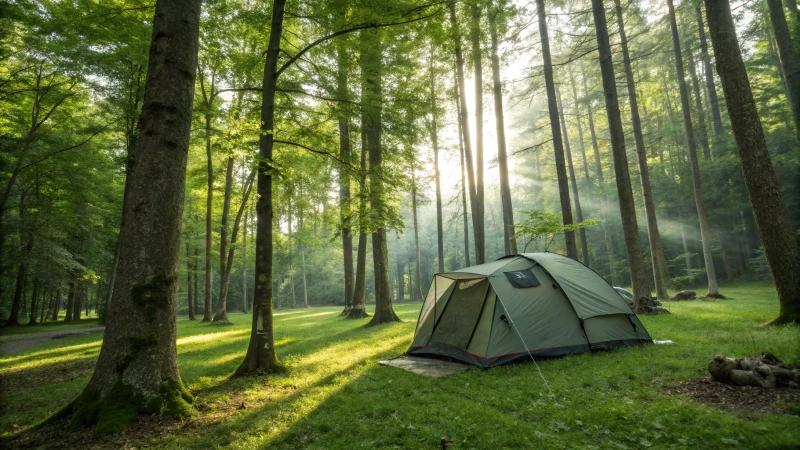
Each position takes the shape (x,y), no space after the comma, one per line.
(335,395)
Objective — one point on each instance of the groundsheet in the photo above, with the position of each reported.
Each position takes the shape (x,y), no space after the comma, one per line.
(434,368)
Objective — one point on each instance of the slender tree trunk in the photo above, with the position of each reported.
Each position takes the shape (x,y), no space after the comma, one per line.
(372,67)
(345,208)
(57,305)
(245,304)
(358,309)
(630,229)
(769,210)
(137,370)
(477,219)
(790,61)
(222,306)
(691,145)
(580,128)
(189,297)
(509,234)
(573,180)
(70,302)
(660,274)
(713,100)
(261,357)
(418,291)
(195,270)
(436,174)
(209,210)
(558,145)
(221,316)
(291,248)
(590,117)
(479,225)
(46,299)
(462,159)
(303,268)
(698,104)
(22,274)
(34,300)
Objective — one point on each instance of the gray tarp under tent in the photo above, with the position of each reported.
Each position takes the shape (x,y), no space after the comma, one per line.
(532,304)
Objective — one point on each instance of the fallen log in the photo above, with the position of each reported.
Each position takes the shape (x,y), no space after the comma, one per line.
(765,371)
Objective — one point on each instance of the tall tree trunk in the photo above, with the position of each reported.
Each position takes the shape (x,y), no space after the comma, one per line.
(713,100)
(573,180)
(245,300)
(345,208)
(80,298)
(221,316)
(479,225)
(22,275)
(46,299)
(698,104)
(630,229)
(209,209)
(358,309)
(261,357)
(691,145)
(660,271)
(558,145)
(580,127)
(57,305)
(598,166)
(70,302)
(463,112)
(462,159)
(195,271)
(372,67)
(222,307)
(137,370)
(418,291)
(509,234)
(189,298)
(769,210)
(790,61)
(303,269)
(34,300)
(291,248)
(436,175)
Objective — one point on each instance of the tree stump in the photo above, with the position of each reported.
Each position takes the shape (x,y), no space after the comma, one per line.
(766,371)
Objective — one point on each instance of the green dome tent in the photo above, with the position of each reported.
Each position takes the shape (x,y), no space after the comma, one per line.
(523,306)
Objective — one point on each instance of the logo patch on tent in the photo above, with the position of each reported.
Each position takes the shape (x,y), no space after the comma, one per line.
(522,278)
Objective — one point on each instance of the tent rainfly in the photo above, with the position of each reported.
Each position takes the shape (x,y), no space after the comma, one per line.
(523,306)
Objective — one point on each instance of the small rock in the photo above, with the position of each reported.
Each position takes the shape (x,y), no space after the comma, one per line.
(684,295)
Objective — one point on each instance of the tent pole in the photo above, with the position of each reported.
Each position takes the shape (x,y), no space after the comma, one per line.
(511,322)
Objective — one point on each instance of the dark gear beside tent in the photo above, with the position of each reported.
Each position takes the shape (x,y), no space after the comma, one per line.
(523,306)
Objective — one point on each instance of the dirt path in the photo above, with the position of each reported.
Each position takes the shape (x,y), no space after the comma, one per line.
(16,344)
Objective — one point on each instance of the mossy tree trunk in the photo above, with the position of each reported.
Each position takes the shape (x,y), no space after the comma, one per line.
(769,210)
(137,370)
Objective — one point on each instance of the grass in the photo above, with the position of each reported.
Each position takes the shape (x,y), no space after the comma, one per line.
(334,395)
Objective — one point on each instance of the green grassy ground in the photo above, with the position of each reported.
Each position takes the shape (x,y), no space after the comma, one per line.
(334,395)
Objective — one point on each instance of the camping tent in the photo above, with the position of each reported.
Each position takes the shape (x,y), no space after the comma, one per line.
(532,304)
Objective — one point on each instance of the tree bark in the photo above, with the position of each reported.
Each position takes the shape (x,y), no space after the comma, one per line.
(477,219)
(418,290)
(509,233)
(261,357)
(462,159)
(57,305)
(713,100)
(698,104)
(660,271)
(222,313)
(245,300)
(790,61)
(580,127)
(358,309)
(691,146)
(137,370)
(34,300)
(769,210)
(558,145)
(225,272)
(372,67)
(70,302)
(345,208)
(436,175)
(630,229)
(573,180)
